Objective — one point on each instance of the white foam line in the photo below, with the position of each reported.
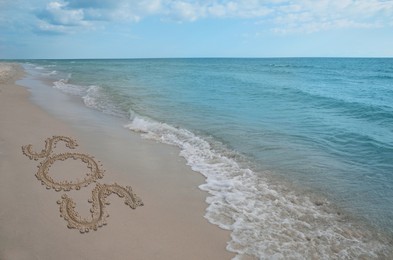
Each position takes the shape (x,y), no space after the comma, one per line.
(266,222)
(69,88)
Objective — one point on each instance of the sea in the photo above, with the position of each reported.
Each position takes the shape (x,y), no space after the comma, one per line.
(297,152)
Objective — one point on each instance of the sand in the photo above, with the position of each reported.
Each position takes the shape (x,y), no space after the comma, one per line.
(144,200)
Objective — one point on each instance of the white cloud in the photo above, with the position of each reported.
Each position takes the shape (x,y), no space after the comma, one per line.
(46,27)
(281,16)
(193,10)
(312,16)
(187,11)
(151,6)
(58,18)
(58,13)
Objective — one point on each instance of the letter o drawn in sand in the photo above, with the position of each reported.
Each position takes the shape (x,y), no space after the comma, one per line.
(43,169)
(99,193)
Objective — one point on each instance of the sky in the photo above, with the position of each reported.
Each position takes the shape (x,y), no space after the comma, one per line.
(70,29)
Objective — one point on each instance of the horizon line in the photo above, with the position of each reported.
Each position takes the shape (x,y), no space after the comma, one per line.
(209,57)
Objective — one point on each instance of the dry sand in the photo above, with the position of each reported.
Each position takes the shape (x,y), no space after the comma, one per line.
(170,224)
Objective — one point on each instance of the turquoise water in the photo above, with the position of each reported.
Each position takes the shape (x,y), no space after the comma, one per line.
(279,140)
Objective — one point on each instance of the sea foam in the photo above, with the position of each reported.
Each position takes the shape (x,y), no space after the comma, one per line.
(68,88)
(267,221)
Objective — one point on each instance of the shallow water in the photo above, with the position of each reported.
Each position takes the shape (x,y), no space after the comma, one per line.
(297,152)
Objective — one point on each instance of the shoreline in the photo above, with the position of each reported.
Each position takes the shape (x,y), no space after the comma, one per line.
(170,225)
(311,222)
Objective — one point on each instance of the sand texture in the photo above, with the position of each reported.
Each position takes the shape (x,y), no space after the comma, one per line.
(59,181)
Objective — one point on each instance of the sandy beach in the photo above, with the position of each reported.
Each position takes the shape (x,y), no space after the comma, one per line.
(169,224)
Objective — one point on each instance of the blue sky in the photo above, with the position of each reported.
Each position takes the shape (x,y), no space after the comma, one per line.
(195,28)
